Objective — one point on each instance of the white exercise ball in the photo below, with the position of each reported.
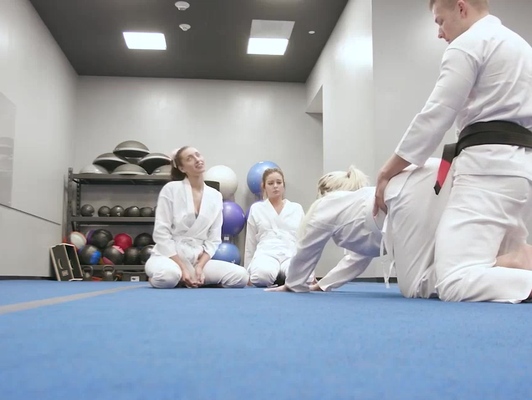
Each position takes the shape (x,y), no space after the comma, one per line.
(226,177)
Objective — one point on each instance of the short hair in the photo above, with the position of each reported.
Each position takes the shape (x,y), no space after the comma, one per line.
(176,173)
(479,4)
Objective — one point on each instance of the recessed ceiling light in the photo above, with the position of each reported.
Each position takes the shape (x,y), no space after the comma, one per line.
(311,32)
(182,5)
(274,47)
(145,40)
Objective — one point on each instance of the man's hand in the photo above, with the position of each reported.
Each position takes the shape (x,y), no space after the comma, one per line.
(382,182)
(391,168)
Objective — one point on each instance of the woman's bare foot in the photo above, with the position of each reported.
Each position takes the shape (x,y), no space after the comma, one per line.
(315,288)
(282,288)
(520,258)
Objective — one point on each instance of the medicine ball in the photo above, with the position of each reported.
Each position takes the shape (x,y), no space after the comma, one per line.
(89,255)
(132,211)
(88,235)
(78,239)
(132,256)
(101,238)
(117,211)
(143,239)
(86,210)
(124,241)
(104,211)
(146,212)
(145,253)
(113,255)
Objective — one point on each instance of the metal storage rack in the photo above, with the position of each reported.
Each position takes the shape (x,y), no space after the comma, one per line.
(74,196)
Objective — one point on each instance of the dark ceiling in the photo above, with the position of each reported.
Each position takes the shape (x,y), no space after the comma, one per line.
(89,32)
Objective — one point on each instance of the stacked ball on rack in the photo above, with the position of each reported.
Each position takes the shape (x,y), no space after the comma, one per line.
(98,246)
(129,158)
(87,210)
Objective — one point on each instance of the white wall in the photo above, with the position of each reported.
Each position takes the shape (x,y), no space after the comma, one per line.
(374,75)
(343,75)
(232,123)
(38,85)
(407,55)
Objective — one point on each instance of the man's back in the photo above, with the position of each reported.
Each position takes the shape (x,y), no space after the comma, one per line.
(503,89)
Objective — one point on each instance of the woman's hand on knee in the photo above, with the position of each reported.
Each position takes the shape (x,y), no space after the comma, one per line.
(200,276)
(188,280)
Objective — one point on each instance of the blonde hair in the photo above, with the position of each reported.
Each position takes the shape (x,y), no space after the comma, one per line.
(350,180)
(479,4)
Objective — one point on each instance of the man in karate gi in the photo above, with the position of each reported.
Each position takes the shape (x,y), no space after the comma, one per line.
(485,89)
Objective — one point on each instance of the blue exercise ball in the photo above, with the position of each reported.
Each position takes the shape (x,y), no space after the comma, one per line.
(255,173)
(234,218)
(227,252)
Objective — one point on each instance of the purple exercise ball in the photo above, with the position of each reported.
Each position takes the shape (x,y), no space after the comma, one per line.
(234,218)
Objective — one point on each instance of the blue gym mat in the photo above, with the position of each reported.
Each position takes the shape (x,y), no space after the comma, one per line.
(18,291)
(361,342)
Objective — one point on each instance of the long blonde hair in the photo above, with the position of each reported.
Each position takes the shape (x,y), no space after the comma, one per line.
(350,180)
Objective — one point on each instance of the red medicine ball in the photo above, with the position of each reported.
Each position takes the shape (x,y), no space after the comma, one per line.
(123,240)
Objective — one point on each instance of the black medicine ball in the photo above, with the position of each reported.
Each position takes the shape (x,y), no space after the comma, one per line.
(101,238)
(104,211)
(132,256)
(86,210)
(146,212)
(113,255)
(132,211)
(145,253)
(143,240)
(117,211)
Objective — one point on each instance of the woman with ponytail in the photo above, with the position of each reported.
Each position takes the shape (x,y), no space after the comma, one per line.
(188,230)
(343,212)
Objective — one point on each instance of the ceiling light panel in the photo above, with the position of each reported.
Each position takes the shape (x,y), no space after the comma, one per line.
(269,37)
(145,40)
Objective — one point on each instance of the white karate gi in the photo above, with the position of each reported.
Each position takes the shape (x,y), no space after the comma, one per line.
(413,214)
(178,231)
(486,75)
(346,218)
(271,240)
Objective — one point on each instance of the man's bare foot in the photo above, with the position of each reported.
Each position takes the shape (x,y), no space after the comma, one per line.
(315,288)
(520,258)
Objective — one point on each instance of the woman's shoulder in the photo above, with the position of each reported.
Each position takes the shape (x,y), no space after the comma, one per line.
(172,186)
(213,193)
(293,205)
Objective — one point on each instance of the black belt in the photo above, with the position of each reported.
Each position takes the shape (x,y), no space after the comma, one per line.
(491,132)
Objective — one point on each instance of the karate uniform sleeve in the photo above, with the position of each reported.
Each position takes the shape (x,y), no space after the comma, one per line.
(251,240)
(347,269)
(162,230)
(309,249)
(210,245)
(457,77)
